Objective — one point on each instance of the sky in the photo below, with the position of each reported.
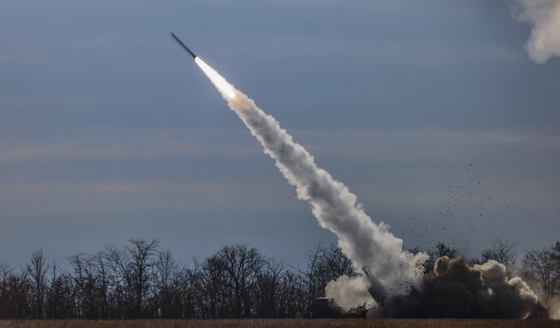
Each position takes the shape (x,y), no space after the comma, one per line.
(441,116)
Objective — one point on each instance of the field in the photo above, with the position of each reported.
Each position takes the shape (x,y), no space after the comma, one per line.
(270,323)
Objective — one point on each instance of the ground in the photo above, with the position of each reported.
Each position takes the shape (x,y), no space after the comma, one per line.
(269,323)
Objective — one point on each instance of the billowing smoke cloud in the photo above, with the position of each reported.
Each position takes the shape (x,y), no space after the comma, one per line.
(555,309)
(456,290)
(349,293)
(336,209)
(544,15)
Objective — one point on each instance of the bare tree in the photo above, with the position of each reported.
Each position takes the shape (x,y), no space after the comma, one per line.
(120,279)
(268,288)
(542,268)
(324,264)
(314,289)
(37,270)
(86,285)
(60,296)
(103,283)
(211,297)
(333,264)
(5,272)
(15,292)
(280,292)
(502,251)
(182,292)
(291,295)
(141,261)
(164,295)
(241,266)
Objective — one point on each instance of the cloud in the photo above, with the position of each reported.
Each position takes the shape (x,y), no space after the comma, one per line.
(544,15)
(36,198)
(413,147)
(107,143)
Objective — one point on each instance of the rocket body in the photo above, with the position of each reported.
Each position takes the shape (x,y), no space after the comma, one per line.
(184,46)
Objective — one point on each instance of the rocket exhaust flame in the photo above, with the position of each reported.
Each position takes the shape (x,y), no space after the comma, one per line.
(219,82)
(396,279)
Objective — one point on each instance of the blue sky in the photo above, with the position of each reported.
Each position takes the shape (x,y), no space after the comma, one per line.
(431,112)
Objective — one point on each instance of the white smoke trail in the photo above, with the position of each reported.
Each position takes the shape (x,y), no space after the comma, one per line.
(336,209)
(544,15)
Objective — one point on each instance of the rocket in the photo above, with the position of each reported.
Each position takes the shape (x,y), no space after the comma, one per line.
(184,46)
(374,286)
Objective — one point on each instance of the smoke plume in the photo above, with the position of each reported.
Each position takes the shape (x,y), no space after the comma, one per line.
(395,276)
(336,208)
(456,290)
(544,15)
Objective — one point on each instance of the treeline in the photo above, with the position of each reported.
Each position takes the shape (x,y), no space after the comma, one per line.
(142,281)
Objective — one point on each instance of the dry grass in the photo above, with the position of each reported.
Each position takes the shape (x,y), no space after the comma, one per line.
(269,323)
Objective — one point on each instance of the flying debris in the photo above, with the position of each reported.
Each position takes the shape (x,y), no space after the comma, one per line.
(184,46)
